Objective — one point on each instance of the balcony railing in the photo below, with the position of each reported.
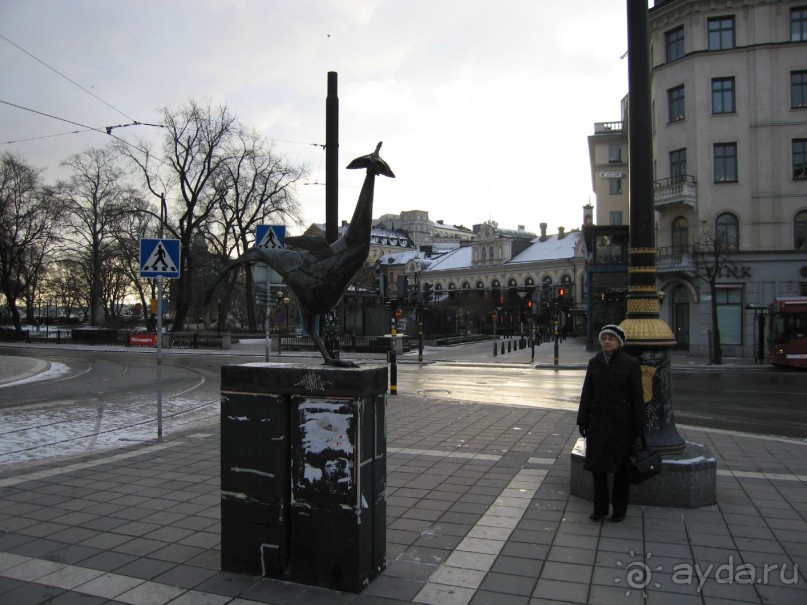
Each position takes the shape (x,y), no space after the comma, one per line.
(607,127)
(682,190)
(675,259)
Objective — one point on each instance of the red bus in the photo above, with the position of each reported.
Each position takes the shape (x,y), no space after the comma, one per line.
(787,332)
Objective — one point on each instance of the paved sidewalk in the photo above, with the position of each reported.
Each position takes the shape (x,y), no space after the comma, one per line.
(479,511)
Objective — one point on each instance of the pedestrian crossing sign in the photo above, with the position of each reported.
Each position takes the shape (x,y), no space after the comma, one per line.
(159,258)
(270,236)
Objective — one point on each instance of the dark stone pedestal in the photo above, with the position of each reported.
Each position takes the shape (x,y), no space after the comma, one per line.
(687,480)
(303,472)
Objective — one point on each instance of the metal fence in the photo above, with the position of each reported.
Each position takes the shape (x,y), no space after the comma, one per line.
(347,343)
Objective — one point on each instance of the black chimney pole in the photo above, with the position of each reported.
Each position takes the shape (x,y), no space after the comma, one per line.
(332,160)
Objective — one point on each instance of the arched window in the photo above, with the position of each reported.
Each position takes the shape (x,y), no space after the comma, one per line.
(680,235)
(800,231)
(484,254)
(490,253)
(727,232)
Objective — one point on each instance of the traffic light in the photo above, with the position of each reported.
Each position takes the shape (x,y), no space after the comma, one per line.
(428,293)
(380,281)
(403,287)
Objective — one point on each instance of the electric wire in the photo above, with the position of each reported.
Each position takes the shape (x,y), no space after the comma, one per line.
(46,136)
(92,94)
(104,130)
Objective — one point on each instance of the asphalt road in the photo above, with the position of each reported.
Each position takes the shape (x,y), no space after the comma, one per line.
(112,394)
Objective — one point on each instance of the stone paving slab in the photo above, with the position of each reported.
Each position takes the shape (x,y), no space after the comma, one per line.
(477,513)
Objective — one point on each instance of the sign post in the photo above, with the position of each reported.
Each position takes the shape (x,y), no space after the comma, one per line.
(267,236)
(159,258)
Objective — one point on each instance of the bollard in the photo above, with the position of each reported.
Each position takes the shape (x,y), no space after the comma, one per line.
(502,347)
(509,346)
(495,349)
(393,357)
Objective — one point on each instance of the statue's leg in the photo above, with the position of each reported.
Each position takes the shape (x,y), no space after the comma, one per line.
(330,361)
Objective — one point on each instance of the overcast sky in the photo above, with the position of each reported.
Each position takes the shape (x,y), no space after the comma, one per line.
(483,106)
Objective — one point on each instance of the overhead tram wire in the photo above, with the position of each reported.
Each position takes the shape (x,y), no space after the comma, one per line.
(46,136)
(104,130)
(53,69)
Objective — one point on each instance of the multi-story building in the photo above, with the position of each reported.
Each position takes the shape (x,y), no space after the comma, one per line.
(729,109)
(425,232)
(503,273)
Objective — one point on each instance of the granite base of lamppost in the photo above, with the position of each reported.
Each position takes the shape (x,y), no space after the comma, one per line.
(687,480)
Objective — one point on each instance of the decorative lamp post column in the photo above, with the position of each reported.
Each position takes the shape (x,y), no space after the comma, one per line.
(648,337)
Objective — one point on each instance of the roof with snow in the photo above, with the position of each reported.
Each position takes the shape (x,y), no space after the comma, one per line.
(551,248)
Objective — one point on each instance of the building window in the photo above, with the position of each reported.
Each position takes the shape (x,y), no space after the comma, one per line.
(725,160)
(616,217)
(798,24)
(723,95)
(727,232)
(674,40)
(680,235)
(615,186)
(678,165)
(677,104)
(610,249)
(800,231)
(798,89)
(799,159)
(615,153)
(721,33)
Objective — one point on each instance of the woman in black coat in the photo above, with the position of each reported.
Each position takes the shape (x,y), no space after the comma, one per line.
(611,418)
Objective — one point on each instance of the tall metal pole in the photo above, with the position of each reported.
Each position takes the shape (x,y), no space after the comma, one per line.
(160,356)
(648,337)
(266,304)
(163,218)
(332,160)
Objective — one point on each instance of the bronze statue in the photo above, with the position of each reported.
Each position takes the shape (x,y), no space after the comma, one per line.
(318,272)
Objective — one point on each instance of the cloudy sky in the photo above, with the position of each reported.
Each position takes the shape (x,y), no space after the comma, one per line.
(483,106)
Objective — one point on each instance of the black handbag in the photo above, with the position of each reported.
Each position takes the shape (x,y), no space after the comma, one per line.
(644,465)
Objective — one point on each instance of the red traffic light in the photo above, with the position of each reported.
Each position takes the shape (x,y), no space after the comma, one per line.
(561,292)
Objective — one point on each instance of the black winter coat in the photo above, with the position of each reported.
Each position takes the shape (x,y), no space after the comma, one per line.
(612,408)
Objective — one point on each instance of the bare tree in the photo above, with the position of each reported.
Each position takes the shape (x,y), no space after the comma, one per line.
(27,232)
(93,197)
(711,254)
(188,181)
(63,287)
(136,224)
(260,190)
